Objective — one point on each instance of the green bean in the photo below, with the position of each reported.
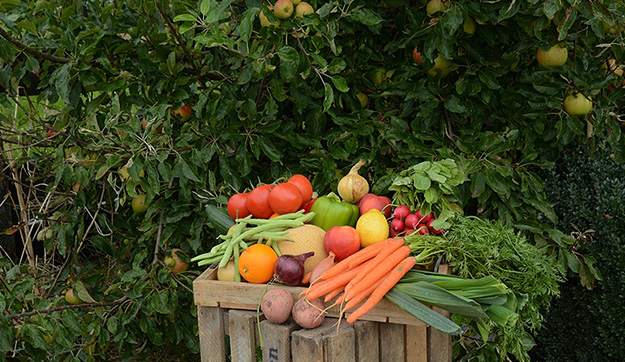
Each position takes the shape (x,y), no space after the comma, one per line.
(237,274)
(243,244)
(276,248)
(227,255)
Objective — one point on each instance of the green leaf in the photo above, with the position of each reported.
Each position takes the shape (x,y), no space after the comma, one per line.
(453,105)
(205,6)
(270,150)
(329,97)
(82,293)
(185,17)
(6,335)
(340,83)
(367,17)
(111,324)
(288,54)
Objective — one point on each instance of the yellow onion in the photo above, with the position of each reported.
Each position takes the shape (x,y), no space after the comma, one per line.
(352,186)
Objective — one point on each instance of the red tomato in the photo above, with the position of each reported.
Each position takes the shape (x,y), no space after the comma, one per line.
(285,198)
(238,203)
(308,205)
(257,202)
(304,186)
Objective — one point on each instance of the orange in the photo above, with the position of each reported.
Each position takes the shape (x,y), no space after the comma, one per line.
(256,263)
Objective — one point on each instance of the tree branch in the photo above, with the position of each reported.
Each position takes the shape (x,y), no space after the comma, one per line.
(33,52)
(65,307)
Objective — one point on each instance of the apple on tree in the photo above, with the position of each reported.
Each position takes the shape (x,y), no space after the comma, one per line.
(554,57)
(577,104)
(441,66)
(302,9)
(183,113)
(283,9)
(363,99)
(435,6)
(174,263)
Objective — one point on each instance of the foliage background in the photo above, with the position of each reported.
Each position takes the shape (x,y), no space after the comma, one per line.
(594,333)
(268,102)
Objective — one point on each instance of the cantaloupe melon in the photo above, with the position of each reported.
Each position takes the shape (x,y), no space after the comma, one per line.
(306,238)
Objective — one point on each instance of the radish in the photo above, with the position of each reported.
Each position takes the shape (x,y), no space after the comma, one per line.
(422,229)
(410,231)
(401,212)
(392,233)
(411,221)
(427,218)
(397,225)
(432,230)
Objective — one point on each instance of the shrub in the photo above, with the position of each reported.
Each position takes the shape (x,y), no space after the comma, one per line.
(589,197)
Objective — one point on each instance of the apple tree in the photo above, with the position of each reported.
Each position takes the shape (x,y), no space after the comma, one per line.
(126,125)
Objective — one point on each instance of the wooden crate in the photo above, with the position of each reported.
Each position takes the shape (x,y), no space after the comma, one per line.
(386,334)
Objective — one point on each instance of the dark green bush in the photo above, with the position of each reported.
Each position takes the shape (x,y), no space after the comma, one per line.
(587,325)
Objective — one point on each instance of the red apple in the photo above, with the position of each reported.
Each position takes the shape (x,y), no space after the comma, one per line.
(411,221)
(343,241)
(183,113)
(401,212)
(372,201)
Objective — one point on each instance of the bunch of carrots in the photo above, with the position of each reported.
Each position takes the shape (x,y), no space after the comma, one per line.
(369,273)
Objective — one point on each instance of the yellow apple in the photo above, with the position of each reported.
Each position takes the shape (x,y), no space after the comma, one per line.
(441,65)
(283,9)
(302,9)
(435,6)
(469,26)
(139,205)
(363,99)
(71,298)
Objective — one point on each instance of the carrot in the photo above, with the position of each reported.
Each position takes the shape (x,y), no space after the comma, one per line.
(362,295)
(361,256)
(326,286)
(333,294)
(393,245)
(372,250)
(306,278)
(379,272)
(387,284)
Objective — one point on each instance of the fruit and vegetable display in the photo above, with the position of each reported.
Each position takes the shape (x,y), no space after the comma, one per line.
(349,249)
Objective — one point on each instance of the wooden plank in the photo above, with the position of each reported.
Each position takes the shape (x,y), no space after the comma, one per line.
(211,331)
(340,346)
(277,341)
(392,342)
(226,321)
(307,344)
(366,335)
(409,322)
(439,346)
(209,292)
(242,335)
(229,305)
(417,343)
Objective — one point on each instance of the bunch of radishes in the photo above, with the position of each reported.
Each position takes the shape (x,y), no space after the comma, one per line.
(405,223)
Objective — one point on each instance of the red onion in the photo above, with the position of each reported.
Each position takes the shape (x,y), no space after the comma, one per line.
(289,269)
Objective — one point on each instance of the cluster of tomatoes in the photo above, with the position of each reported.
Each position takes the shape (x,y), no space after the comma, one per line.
(406,223)
(266,201)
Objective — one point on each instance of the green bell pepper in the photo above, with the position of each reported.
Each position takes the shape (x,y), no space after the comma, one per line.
(330,211)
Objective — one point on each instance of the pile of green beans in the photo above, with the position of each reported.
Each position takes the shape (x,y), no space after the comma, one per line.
(250,231)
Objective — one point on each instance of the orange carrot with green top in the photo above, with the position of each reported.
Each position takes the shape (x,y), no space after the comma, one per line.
(378,273)
(362,295)
(326,286)
(358,258)
(393,245)
(371,251)
(387,284)
(333,294)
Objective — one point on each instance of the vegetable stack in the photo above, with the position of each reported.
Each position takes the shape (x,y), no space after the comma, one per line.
(368,274)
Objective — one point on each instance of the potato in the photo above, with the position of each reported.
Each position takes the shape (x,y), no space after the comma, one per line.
(276,305)
(308,314)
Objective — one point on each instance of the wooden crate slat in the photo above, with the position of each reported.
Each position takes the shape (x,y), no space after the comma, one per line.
(209,292)
(340,346)
(439,346)
(242,335)
(211,331)
(417,343)
(392,342)
(366,335)
(277,340)
(308,342)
